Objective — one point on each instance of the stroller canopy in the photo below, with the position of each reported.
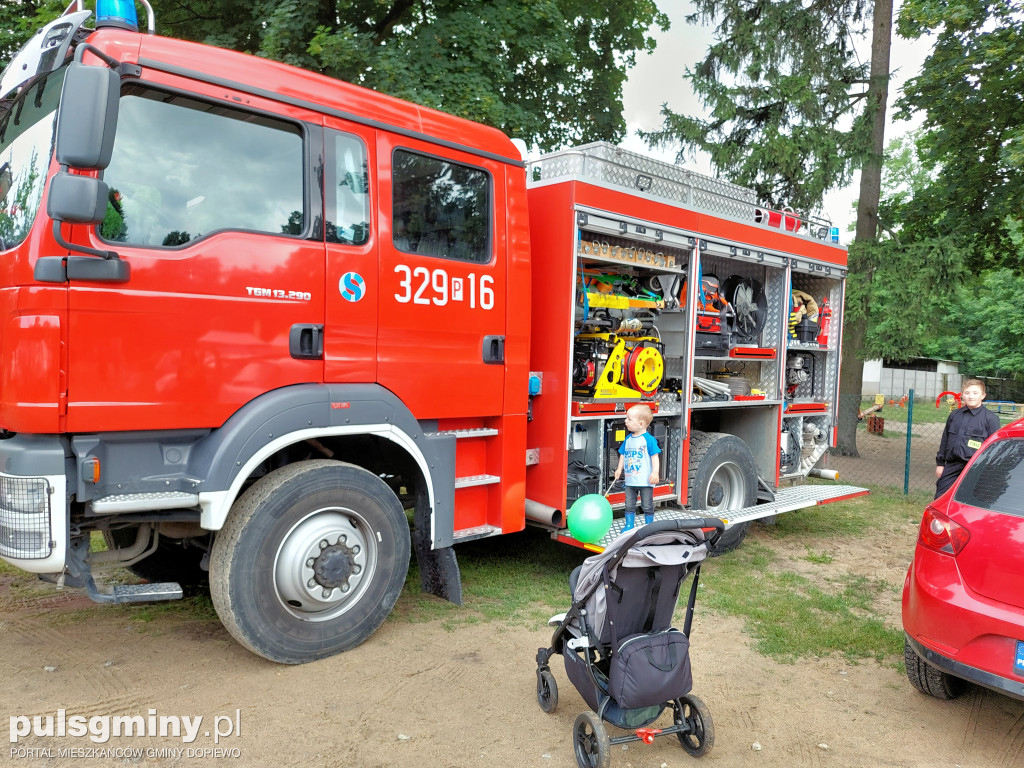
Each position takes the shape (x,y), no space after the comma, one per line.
(661,548)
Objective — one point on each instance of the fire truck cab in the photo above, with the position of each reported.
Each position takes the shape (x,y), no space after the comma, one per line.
(276,331)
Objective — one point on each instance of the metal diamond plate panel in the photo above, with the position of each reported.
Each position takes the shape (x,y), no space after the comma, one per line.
(786,500)
(608,164)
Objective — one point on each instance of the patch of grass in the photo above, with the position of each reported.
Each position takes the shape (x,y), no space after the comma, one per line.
(791,616)
(821,558)
(884,508)
(520,578)
(924,412)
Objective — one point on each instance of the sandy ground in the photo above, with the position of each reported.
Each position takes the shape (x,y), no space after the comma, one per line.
(420,695)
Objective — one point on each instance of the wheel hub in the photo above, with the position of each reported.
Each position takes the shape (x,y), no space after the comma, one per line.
(335,564)
(715,494)
(324,564)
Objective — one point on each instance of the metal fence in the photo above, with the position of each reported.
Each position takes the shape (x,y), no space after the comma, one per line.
(897,442)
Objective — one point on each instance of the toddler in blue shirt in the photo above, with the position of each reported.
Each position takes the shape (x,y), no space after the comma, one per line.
(638,458)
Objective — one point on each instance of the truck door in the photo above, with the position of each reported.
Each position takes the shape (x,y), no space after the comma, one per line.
(350,333)
(442,318)
(215,209)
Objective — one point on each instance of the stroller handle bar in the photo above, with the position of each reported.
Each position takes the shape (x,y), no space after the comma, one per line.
(668,526)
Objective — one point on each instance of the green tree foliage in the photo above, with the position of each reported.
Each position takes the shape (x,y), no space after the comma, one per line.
(793,113)
(896,282)
(548,71)
(969,92)
(779,82)
(983,325)
(19,19)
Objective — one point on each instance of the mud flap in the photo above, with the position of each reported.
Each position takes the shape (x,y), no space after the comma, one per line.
(439,568)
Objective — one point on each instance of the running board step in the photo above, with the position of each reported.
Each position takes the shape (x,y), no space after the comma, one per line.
(480,532)
(135,593)
(144,502)
(474,432)
(471,480)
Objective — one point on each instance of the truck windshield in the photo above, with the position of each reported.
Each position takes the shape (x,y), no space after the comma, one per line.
(26,145)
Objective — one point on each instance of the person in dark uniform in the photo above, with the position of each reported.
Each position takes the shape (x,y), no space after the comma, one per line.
(966,429)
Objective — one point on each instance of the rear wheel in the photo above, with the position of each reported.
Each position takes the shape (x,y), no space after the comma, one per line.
(700,736)
(927,679)
(723,478)
(310,561)
(590,742)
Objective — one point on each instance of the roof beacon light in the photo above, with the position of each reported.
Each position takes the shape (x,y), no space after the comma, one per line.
(117,13)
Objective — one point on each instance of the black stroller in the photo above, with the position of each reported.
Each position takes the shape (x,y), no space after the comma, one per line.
(620,650)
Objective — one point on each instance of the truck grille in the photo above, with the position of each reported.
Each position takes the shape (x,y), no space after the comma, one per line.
(25,518)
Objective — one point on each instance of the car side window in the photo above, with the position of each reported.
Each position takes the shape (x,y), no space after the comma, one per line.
(996,479)
(183,168)
(349,199)
(440,208)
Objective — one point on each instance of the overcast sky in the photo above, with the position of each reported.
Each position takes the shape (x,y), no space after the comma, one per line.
(658,79)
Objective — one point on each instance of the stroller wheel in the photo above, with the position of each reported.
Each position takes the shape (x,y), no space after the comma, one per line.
(700,734)
(590,742)
(547,691)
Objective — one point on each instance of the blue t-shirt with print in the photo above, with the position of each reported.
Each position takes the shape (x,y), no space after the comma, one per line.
(637,451)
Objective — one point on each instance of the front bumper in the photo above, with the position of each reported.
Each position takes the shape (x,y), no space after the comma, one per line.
(33,504)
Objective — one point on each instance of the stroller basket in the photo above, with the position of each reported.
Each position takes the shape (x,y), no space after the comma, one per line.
(619,648)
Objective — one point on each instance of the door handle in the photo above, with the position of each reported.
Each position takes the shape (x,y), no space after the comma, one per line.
(306,342)
(494,350)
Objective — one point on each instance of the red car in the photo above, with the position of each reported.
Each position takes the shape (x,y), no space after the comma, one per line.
(963,599)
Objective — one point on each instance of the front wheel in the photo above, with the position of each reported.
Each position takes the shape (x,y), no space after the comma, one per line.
(310,561)
(547,691)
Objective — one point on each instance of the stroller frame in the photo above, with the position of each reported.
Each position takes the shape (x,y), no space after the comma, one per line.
(587,640)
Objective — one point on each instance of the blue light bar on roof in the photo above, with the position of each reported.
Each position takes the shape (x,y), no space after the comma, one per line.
(117,13)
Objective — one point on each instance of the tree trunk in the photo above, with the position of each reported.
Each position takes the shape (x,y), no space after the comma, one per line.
(854,331)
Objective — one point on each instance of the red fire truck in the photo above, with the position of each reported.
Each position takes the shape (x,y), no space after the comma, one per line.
(251,316)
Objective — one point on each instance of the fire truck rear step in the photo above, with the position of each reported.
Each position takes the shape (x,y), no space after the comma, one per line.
(479,532)
(471,480)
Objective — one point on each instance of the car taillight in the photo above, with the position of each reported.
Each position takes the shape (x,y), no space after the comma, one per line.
(940,533)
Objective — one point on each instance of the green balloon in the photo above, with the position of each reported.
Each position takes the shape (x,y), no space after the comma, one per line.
(590,517)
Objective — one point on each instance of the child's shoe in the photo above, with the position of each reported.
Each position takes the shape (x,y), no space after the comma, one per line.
(630,521)
(648,519)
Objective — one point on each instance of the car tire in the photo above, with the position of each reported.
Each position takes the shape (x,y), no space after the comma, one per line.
(929,680)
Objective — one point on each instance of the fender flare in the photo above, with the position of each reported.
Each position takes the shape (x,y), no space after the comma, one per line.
(229,455)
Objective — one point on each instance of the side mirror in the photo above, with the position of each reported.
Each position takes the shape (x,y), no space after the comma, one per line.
(87,119)
(77,199)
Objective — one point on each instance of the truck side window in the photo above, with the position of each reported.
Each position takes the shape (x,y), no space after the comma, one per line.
(182,169)
(26,144)
(440,208)
(350,197)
